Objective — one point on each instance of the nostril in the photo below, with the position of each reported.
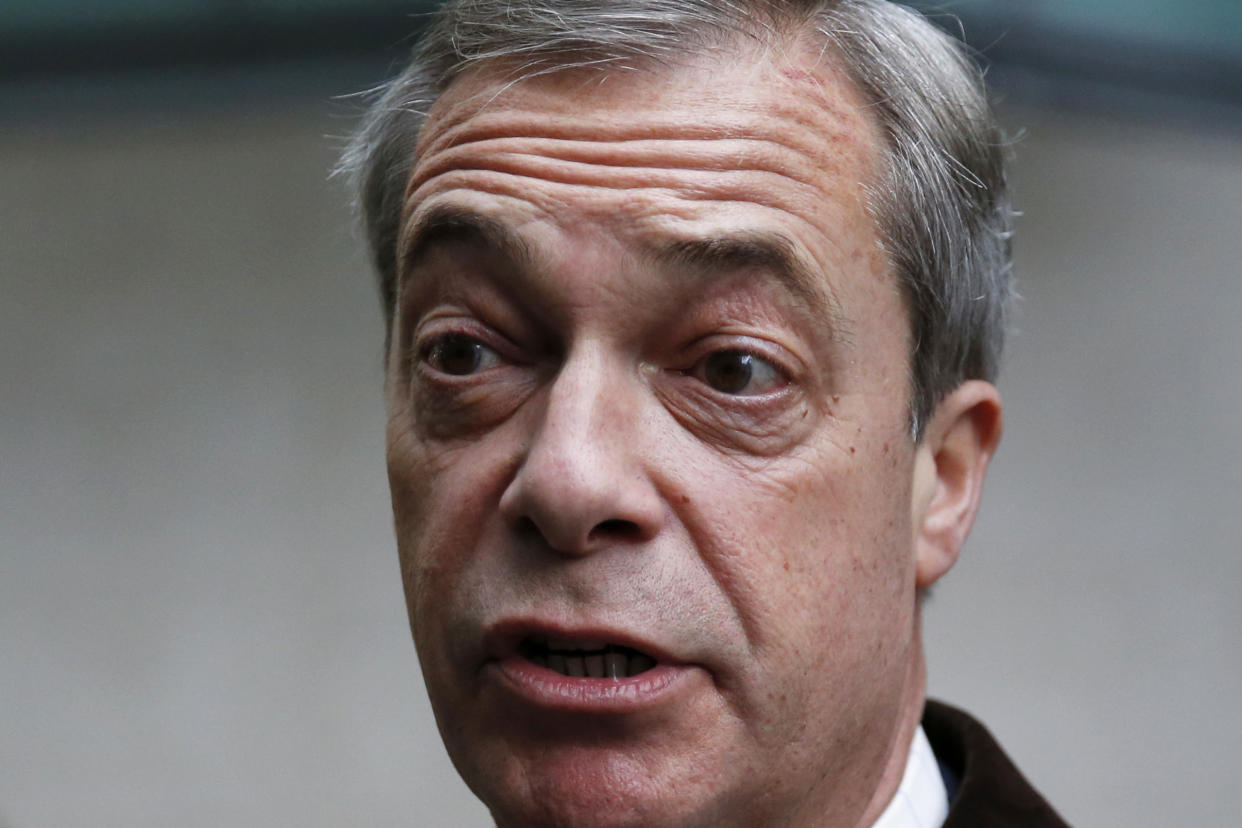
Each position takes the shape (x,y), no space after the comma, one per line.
(615,529)
(527,528)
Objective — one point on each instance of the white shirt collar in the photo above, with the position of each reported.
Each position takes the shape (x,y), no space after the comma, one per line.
(921,800)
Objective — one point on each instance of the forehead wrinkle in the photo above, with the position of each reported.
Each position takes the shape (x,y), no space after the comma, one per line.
(777,124)
(633,163)
(816,120)
(776,139)
(632,205)
(774,254)
(602,191)
(784,181)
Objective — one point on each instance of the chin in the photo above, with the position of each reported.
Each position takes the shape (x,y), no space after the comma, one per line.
(592,788)
(593,812)
(596,809)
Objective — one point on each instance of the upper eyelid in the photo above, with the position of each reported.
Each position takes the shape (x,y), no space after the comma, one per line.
(495,325)
(762,348)
(436,327)
(422,342)
(439,336)
(761,356)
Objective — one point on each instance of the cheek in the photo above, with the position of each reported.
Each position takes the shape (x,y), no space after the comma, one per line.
(840,588)
(814,550)
(437,500)
(862,520)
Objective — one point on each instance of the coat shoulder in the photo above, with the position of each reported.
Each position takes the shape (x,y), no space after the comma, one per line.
(990,790)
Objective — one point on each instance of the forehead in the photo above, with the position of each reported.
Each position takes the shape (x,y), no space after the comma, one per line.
(734,87)
(752,140)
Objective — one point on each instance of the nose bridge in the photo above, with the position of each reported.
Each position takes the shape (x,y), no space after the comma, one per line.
(581,482)
(575,400)
(581,442)
(591,409)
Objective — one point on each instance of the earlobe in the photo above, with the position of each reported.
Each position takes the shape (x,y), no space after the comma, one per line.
(950,467)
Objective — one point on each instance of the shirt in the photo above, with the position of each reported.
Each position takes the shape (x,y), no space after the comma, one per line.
(921,800)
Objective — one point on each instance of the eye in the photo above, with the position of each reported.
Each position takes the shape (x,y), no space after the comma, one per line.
(459,355)
(739,373)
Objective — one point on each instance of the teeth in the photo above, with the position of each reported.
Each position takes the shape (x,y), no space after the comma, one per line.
(593,659)
(614,665)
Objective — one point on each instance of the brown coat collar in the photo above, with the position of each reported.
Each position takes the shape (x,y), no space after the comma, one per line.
(990,790)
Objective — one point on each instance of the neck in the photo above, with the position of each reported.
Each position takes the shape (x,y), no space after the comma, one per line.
(913,698)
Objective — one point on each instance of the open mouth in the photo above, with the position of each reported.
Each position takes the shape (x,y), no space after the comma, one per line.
(585,659)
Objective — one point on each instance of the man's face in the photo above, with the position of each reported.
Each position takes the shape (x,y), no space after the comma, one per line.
(648,422)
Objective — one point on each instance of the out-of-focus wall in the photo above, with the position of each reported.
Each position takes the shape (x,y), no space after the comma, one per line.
(200,617)
(201,621)
(1093,619)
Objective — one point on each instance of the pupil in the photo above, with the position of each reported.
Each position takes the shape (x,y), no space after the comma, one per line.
(729,371)
(456,355)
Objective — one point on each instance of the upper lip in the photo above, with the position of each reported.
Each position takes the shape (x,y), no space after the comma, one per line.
(503,638)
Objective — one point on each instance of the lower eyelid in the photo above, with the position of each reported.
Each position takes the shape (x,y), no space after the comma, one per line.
(754,425)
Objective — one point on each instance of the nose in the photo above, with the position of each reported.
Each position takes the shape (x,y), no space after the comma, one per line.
(581,485)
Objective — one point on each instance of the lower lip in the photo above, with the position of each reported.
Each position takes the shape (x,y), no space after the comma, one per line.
(551,690)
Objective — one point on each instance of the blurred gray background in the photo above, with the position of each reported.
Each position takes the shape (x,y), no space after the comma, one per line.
(201,621)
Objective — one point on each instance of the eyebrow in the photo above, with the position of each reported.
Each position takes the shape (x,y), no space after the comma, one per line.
(730,253)
(770,252)
(446,224)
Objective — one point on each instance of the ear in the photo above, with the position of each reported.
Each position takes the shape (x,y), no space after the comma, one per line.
(950,466)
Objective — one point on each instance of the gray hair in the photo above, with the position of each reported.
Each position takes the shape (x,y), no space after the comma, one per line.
(941,203)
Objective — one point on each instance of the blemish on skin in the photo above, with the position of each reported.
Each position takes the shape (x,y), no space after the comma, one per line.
(802,76)
(852,449)
(836,398)
(886,448)
(685,498)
